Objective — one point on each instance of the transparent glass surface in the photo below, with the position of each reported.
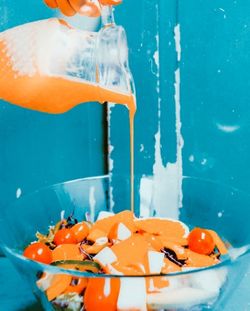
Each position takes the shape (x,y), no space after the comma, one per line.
(205,204)
(92,57)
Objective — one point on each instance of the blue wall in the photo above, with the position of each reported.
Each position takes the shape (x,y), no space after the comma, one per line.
(215,89)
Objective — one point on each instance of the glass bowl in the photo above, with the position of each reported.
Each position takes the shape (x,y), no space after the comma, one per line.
(204,203)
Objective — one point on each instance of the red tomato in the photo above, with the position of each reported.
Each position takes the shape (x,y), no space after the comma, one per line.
(95,297)
(64,236)
(201,241)
(39,252)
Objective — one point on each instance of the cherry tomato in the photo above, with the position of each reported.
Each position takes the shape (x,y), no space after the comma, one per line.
(81,231)
(39,252)
(96,298)
(201,241)
(64,236)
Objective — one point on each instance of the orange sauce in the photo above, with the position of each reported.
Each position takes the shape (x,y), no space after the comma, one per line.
(57,94)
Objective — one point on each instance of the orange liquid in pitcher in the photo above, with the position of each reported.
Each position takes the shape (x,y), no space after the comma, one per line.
(58,94)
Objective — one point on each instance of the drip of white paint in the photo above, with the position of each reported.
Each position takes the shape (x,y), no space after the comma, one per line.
(146,194)
(164,191)
(156,56)
(107,287)
(177,37)
(18,193)
(166,194)
(179,138)
(110,159)
(92,202)
(167,180)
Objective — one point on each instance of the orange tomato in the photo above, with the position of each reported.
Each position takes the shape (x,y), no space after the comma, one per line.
(80,231)
(65,236)
(39,252)
(102,294)
(201,241)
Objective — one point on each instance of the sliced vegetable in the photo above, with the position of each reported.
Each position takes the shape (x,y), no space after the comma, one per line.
(59,284)
(198,260)
(218,242)
(86,265)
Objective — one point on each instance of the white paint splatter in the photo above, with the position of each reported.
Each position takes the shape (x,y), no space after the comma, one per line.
(227,128)
(191,158)
(204,161)
(18,193)
(220,214)
(141,147)
(92,203)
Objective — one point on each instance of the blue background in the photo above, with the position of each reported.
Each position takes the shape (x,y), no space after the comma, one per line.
(38,149)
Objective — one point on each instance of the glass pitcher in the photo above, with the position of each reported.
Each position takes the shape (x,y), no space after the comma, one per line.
(49,66)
